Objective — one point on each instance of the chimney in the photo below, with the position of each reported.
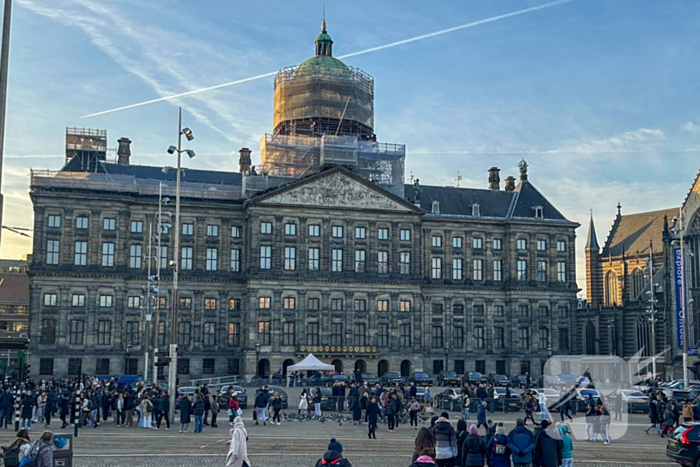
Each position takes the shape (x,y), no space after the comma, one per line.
(124,151)
(244,161)
(494,178)
(510,184)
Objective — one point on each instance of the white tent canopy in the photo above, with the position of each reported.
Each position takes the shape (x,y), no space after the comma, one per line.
(311,363)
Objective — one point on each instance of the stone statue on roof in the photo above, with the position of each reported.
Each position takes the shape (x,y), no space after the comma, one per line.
(417,190)
(522,165)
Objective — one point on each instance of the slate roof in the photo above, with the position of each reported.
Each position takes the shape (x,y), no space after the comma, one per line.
(632,232)
(592,241)
(14,288)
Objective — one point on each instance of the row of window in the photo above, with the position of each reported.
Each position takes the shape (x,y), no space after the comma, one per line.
(137,301)
(436,270)
(103,366)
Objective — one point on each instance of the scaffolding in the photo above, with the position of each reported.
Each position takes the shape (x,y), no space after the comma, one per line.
(324,100)
(88,145)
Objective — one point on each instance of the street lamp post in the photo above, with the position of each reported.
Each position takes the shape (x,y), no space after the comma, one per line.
(127,353)
(257,358)
(172,376)
(447,356)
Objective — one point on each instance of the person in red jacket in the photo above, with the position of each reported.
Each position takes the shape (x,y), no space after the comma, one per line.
(233,408)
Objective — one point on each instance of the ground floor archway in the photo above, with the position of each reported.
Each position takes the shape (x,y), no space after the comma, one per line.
(361,365)
(406,368)
(263,368)
(382,367)
(338,364)
(288,362)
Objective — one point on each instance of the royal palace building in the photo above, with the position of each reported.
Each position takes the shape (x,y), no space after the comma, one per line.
(322,249)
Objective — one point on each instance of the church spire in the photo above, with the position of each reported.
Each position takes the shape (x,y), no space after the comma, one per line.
(592,242)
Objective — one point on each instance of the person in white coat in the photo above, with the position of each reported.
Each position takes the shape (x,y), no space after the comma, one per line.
(238,451)
(303,402)
(544,415)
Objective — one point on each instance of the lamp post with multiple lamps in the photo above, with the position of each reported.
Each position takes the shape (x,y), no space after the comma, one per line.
(257,358)
(172,372)
(447,356)
(651,311)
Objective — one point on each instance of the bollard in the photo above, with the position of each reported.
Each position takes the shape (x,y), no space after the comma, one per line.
(17,414)
(78,408)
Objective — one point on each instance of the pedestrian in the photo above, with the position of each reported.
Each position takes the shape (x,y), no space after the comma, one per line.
(63,413)
(548,447)
(390,412)
(276,407)
(473,450)
(413,410)
(129,405)
(214,409)
(260,406)
(481,415)
(669,420)
(43,450)
(428,398)
(590,430)
(317,403)
(528,404)
(522,444)
(234,409)
(687,412)
(445,441)
(16,452)
(595,416)
(185,412)
(164,411)
(605,423)
(497,448)
(6,407)
(87,408)
(567,447)
(424,451)
(238,451)
(146,413)
(542,400)
(333,456)
(28,402)
(303,402)
(49,408)
(618,405)
(198,412)
(356,409)
(207,407)
(41,406)
(466,403)
(372,416)
(462,434)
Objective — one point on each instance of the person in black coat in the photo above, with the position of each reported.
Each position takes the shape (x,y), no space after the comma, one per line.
(6,407)
(198,412)
(28,403)
(462,434)
(356,408)
(473,449)
(165,411)
(549,448)
(185,412)
(207,407)
(373,411)
(65,404)
(49,408)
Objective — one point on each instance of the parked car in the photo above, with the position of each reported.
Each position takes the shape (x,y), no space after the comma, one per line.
(567,380)
(445,378)
(421,379)
(131,381)
(474,377)
(499,380)
(633,401)
(499,392)
(520,381)
(582,398)
(392,378)
(277,390)
(370,378)
(678,395)
(683,446)
(449,399)
(552,381)
(331,380)
(237,391)
(328,402)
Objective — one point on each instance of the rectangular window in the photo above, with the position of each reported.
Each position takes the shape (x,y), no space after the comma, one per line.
(234,366)
(265,257)
(50,299)
(405,262)
(314,263)
(234,334)
(235,231)
(337,304)
(437,308)
(81,222)
(336,334)
(54,222)
(266,228)
(234,304)
(383,234)
(210,304)
(458,337)
(436,269)
(77,330)
(289,303)
(80,253)
(382,335)
(524,338)
(478,310)
(477,243)
(136,227)
(563,338)
(498,338)
(542,311)
(161,333)
(521,244)
(48,331)
(499,311)
(311,333)
(162,303)
(187,229)
(135,256)
(478,269)
(542,271)
(337,231)
(523,311)
(264,303)
(314,230)
(209,334)
(436,337)
(46,366)
(212,263)
(544,338)
(337,261)
(75,366)
(405,335)
(132,333)
(459,367)
(458,309)
(183,366)
(405,305)
(480,366)
(186,258)
(497,270)
(457,269)
(497,244)
(104,332)
(78,300)
(479,337)
(184,334)
(522,270)
(290,229)
(563,312)
(561,246)
(109,224)
(106,301)
(561,271)
(360,305)
(52,248)
(288,333)
(437,241)
(405,235)
(163,257)
(456,242)
(313,304)
(382,305)
(208,366)
(185,303)
(360,335)
(541,245)
(133,302)
(360,233)
(382,262)
(290,257)
(235,260)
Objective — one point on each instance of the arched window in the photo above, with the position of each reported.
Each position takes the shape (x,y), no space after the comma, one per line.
(637,283)
(590,338)
(611,289)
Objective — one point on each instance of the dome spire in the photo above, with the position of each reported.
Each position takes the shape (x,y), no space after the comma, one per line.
(323,25)
(324,43)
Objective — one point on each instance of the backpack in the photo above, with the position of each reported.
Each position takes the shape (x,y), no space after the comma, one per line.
(11,456)
(30,461)
(499,449)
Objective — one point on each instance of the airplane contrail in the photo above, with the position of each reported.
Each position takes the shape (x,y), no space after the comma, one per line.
(353,54)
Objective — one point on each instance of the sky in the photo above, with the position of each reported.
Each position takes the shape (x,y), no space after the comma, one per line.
(600,97)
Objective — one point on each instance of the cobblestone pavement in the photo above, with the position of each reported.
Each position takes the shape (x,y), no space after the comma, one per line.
(303,443)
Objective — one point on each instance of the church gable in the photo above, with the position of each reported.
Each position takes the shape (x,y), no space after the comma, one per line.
(337,189)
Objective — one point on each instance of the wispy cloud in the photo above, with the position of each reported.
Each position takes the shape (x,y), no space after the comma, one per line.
(692,127)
